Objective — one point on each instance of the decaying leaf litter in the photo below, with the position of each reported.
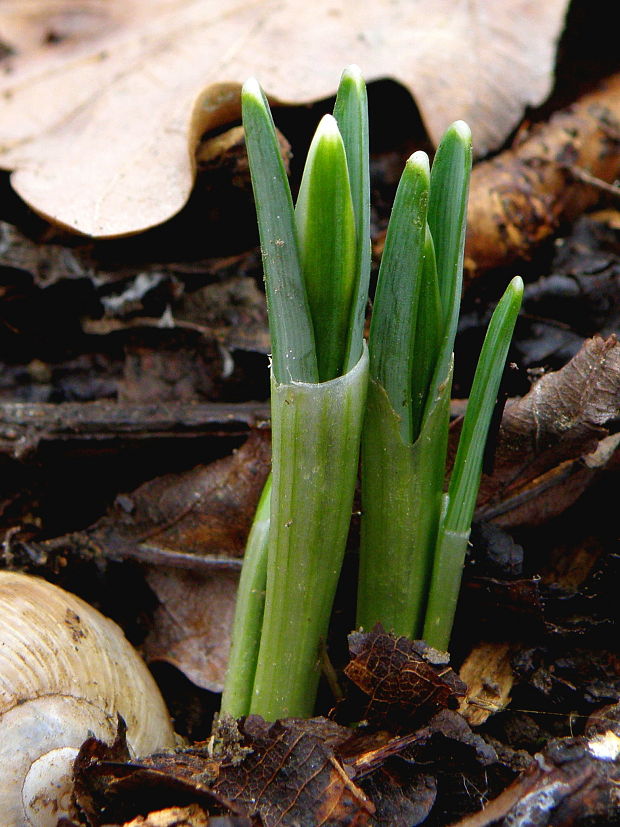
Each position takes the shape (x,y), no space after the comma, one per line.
(541,603)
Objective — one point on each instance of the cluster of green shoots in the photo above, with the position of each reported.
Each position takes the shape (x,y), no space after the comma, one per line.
(332,394)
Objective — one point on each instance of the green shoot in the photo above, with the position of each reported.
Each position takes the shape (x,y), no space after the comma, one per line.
(465,479)
(316,262)
(395,313)
(237,695)
(315,285)
(292,338)
(351,113)
(447,220)
(326,232)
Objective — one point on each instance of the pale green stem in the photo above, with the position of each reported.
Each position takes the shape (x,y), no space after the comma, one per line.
(315,443)
(465,480)
(249,609)
(401,498)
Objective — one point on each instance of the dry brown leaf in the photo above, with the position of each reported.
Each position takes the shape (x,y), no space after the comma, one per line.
(191,626)
(205,511)
(404,680)
(554,440)
(103,103)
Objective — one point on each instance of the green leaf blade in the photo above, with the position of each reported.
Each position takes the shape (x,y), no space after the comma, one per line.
(249,609)
(292,336)
(394,318)
(463,490)
(427,338)
(351,113)
(447,219)
(327,246)
(467,469)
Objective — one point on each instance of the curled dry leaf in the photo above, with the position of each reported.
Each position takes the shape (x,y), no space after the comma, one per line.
(554,440)
(103,104)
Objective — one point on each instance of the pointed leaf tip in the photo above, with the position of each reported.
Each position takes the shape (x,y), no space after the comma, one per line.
(420,160)
(353,72)
(461,129)
(327,128)
(516,285)
(252,89)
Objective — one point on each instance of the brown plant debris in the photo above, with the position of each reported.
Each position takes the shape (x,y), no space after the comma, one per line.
(293,776)
(519,197)
(572,782)
(555,440)
(23,425)
(192,816)
(287,774)
(489,678)
(207,510)
(404,680)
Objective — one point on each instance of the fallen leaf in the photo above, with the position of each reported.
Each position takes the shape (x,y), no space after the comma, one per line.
(103,105)
(293,777)
(404,680)
(205,511)
(554,440)
(287,773)
(191,626)
(180,518)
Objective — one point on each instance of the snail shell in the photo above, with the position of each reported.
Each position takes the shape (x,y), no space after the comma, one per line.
(65,673)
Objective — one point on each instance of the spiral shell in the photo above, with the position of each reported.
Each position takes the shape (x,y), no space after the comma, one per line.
(65,673)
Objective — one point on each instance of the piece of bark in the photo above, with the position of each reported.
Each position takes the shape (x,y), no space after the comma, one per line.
(489,678)
(552,173)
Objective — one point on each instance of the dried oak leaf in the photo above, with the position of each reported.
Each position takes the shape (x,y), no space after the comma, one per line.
(103,104)
(404,680)
(554,440)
